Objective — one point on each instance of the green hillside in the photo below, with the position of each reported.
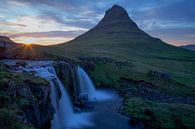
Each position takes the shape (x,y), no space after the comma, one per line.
(117,37)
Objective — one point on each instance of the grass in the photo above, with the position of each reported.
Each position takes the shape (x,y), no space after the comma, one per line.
(109,74)
(8,120)
(163,115)
(19,78)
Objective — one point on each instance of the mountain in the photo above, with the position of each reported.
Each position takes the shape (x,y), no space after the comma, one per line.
(116,35)
(6,42)
(189,47)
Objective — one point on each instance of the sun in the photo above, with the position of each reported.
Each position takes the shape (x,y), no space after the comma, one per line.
(27,44)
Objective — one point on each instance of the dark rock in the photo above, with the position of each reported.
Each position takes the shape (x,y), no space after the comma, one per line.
(133,121)
(140,88)
(67,73)
(31,100)
(88,63)
(83,97)
(21,63)
(179,124)
(120,63)
(148,112)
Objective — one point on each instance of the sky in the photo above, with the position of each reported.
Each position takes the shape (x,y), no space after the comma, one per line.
(48,22)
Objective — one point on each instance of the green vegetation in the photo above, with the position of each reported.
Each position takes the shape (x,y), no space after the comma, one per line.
(161,115)
(14,96)
(109,75)
(8,120)
(19,78)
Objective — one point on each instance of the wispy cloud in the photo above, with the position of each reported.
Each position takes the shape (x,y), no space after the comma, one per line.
(70,34)
(5,23)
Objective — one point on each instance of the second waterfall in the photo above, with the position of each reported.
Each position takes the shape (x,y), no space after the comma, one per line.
(88,89)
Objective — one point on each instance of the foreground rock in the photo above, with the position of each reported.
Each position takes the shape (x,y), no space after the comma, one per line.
(24,101)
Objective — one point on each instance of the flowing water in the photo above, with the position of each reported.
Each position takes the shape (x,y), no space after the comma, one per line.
(87,87)
(64,117)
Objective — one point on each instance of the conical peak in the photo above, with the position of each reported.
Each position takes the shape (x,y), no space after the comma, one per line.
(116,9)
(116,14)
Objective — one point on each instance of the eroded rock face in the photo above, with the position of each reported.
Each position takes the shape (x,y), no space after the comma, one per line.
(67,74)
(40,111)
(28,97)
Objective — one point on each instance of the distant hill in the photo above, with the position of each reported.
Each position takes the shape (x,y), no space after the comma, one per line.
(6,42)
(12,50)
(189,47)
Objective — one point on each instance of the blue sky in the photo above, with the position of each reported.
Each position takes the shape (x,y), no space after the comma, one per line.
(55,21)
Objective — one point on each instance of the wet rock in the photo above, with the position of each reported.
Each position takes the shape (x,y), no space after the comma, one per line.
(148,112)
(83,97)
(89,62)
(67,73)
(133,121)
(21,63)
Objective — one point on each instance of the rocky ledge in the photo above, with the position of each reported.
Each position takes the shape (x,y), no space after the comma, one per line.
(24,101)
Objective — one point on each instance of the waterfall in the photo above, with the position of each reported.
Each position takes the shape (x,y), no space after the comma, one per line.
(87,87)
(64,117)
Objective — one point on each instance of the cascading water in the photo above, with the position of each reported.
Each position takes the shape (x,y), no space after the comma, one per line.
(64,117)
(87,87)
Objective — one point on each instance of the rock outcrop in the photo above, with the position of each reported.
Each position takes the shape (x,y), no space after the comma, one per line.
(26,99)
(67,74)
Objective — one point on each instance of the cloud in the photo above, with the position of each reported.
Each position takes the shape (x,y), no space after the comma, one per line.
(176,36)
(50,34)
(6,23)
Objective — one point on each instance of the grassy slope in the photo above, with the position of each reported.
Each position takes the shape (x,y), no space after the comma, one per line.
(145,55)
(168,116)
